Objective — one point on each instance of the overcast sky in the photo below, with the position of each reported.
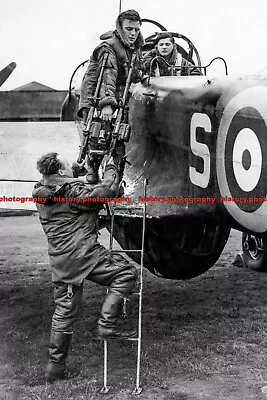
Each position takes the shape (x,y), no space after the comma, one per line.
(48,39)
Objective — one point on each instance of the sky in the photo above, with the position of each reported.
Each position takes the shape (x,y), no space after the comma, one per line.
(48,39)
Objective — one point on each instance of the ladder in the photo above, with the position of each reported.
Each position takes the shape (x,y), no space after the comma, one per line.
(137,390)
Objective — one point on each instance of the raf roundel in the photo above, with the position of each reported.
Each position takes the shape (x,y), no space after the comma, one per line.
(242,157)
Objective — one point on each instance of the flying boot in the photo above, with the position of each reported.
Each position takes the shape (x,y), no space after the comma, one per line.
(110,313)
(58,351)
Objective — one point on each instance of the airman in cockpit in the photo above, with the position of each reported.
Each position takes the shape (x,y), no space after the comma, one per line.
(165,60)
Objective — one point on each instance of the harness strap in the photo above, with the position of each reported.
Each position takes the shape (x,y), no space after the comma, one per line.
(70,290)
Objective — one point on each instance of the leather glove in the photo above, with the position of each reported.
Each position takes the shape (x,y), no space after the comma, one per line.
(85,112)
(111,176)
(78,169)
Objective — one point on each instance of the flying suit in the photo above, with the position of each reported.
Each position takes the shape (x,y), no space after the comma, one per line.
(75,254)
(115,74)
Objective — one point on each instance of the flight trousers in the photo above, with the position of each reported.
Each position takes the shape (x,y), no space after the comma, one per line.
(118,275)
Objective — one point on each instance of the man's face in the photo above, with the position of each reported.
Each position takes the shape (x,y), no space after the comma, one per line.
(131,30)
(66,168)
(165,47)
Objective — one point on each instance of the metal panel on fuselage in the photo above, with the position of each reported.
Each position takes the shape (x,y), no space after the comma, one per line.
(174,143)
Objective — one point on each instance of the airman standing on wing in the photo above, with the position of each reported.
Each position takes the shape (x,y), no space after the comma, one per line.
(120,45)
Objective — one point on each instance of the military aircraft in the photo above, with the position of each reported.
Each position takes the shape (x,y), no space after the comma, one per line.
(199,143)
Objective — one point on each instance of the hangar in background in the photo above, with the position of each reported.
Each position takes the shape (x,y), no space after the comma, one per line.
(31,102)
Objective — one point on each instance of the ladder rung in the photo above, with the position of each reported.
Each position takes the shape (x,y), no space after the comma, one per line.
(118,210)
(120,207)
(131,339)
(125,251)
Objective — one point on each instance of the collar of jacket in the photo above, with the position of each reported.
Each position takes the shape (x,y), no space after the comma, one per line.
(171,59)
(57,180)
(52,185)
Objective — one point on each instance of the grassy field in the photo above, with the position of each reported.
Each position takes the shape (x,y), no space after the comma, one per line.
(202,339)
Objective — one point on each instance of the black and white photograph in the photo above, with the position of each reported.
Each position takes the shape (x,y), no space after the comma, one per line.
(133,200)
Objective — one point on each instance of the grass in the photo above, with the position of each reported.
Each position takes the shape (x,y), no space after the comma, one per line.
(202,339)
